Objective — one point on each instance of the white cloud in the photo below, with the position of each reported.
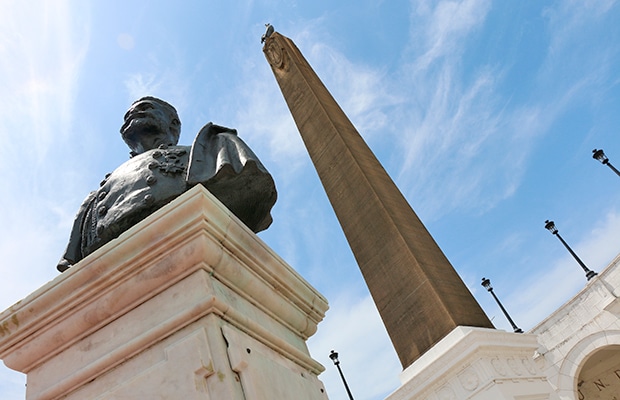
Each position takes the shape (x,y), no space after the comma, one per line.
(42,51)
(458,137)
(462,135)
(12,384)
(166,83)
(125,41)
(41,57)
(139,85)
(449,142)
(275,135)
(568,18)
(354,329)
(360,90)
(442,27)
(363,92)
(562,279)
(39,72)
(449,126)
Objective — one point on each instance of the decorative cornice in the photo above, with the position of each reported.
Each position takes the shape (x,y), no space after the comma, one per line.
(194,232)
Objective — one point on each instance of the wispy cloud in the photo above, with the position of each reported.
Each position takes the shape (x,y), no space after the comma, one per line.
(41,59)
(363,92)
(568,18)
(445,121)
(12,384)
(354,329)
(597,250)
(360,90)
(139,85)
(438,30)
(463,133)
(40,69)
(451,119)
(445,140)
(168,83)
(270,123)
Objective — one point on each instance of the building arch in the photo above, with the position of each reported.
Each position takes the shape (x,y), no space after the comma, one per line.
(577,357)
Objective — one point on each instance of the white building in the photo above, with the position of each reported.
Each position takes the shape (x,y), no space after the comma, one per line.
(574,354)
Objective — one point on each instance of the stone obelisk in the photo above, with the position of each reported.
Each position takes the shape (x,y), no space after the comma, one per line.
(419,295)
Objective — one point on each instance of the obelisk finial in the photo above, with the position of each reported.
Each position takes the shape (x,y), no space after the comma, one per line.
(267,33)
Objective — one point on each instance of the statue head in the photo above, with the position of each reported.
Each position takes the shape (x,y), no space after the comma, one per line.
(149,123)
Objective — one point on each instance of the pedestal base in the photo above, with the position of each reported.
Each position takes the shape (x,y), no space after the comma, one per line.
(188,304)
(477,364)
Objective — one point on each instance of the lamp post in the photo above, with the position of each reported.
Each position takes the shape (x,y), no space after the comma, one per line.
(486,283)
(600,155)
(550,226)
(334,356)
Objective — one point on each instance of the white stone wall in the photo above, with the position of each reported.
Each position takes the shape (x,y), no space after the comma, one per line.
(544,364)
(187,304)
(477,363)
(587,323)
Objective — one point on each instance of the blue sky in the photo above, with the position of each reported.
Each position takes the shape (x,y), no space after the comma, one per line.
(484,113)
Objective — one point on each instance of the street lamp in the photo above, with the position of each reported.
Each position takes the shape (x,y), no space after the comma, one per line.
(486,283)
(550,226)
(600,155)
(334,356)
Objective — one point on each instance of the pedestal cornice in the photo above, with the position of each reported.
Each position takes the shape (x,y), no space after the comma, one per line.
(191,238)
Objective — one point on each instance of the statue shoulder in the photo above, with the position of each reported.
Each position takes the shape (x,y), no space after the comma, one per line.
(210,134)
(210,130)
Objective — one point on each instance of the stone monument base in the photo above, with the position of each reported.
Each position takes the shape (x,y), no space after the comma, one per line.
(188,304)
(477,364)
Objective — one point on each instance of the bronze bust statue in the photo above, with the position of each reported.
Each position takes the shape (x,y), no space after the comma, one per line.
(159,171)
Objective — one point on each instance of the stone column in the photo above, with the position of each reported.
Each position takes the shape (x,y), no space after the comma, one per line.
(188,304)
(419,295)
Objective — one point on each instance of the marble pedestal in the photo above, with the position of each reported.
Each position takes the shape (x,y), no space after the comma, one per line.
(477,364)
(188,304)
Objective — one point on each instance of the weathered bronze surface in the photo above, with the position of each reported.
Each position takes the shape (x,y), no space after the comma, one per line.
(159,171)
(418,293)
